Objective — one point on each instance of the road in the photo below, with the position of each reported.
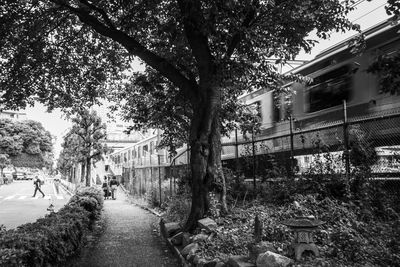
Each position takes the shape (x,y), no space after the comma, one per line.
(17,206)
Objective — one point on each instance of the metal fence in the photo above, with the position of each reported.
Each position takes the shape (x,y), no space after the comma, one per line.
(291,149)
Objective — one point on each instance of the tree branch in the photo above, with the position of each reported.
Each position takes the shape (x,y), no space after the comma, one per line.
(238,36)
(81,136)
(134,47)
(95,129)
(95,154)
(194,21)
(100,11)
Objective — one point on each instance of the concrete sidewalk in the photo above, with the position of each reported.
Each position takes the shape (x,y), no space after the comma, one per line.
(128,239)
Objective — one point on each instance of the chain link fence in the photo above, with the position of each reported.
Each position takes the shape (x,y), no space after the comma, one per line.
(368,146)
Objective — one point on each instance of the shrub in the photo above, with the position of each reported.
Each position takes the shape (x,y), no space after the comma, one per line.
(50,240)
(178,208)
(153,196)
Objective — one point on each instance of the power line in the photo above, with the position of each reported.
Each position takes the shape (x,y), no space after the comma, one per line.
(366,14)
(357,3)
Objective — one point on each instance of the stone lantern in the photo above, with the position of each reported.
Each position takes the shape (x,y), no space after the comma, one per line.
(303,228)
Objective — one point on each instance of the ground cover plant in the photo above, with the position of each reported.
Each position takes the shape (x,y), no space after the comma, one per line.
(52,239)
(348,237)
(361,226)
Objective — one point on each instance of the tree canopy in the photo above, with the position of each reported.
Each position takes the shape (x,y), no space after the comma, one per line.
(27,143)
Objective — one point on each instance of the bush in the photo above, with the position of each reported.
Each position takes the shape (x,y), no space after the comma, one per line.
(178,208)
(50,240)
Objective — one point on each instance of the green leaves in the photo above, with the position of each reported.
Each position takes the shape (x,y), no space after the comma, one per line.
(26,142)
(83,141)
(387,69)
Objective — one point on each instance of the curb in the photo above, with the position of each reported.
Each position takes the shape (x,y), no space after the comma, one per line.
(175,250)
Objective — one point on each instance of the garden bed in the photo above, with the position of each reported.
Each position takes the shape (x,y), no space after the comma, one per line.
(349,237)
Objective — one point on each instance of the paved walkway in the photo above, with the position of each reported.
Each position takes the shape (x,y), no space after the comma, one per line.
(129,239)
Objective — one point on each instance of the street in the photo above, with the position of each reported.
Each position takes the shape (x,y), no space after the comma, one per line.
(17,206)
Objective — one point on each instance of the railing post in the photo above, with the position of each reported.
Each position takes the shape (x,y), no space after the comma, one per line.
(151,170)
(254,160)
(173,170)
(170,176)
(291,146)
(188,160)
(346,140)
(159,175)
(236,151)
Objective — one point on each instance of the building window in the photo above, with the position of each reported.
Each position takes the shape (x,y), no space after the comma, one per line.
(329,89)
(145,150)
(151,147)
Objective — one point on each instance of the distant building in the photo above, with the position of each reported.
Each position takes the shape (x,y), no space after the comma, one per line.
(13,115)
(118,138)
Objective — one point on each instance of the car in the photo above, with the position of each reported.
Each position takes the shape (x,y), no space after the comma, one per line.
(18,175)
(29,176)
(8,174)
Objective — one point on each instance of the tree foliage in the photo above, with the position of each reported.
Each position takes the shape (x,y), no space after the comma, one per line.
(70,154)
(27,143)
(83,143)
(387,68)
(4,162)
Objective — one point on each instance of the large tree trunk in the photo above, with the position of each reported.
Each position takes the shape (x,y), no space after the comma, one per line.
(205,156)
(217,170)
(88,171)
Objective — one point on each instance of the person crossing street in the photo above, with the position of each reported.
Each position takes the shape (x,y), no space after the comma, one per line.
(37,183)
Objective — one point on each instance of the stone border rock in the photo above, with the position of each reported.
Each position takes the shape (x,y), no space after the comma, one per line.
(185,245)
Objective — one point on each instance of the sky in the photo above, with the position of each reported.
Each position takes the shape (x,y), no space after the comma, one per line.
(367,15)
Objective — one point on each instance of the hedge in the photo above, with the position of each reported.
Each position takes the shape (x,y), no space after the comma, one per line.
(52,239)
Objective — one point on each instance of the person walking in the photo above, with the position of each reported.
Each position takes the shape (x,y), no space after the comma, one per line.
(114,185)
(37,183)
(106,188)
